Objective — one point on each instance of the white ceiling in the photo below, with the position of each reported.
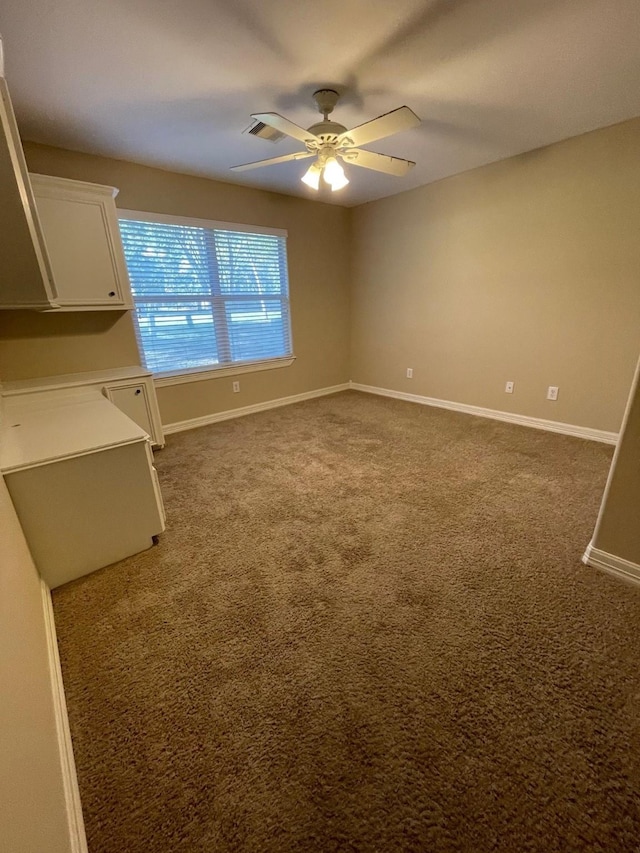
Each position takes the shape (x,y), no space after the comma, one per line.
(172,83)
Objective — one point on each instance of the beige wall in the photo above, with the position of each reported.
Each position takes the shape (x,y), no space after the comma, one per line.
(524,270)
(39,345)
(32,804)
(618,528)
(45,344)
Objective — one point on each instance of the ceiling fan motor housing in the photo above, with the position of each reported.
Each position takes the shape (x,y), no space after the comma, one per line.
(326,131)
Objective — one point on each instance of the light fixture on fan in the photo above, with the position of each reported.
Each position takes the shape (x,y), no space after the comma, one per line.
(327,141)
(330,170)
(312,176)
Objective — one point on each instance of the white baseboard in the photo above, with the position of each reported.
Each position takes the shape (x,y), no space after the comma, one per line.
(494,414)
(75,821)
(205,420)
(612,564)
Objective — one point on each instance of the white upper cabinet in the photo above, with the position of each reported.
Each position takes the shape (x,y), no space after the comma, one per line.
(26,277)
(81,233)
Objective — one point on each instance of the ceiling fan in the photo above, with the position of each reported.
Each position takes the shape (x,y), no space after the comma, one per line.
(329,142)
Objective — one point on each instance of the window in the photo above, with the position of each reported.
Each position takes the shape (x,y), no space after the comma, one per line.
(207,295)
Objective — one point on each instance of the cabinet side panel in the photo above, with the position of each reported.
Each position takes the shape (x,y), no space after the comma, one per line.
(86,512)
(25,274)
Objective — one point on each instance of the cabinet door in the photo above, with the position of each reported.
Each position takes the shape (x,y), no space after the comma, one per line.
(81,232)
(137,399)
(132,400)
(80,254)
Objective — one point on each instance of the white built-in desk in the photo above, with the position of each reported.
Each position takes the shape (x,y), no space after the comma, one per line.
(131,389)
(81,477)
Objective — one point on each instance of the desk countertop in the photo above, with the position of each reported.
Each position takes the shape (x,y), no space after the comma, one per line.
(39,428)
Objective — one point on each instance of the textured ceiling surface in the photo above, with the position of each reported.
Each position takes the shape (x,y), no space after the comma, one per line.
(172,83)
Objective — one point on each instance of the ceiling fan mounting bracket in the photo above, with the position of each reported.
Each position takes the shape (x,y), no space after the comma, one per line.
(326,99)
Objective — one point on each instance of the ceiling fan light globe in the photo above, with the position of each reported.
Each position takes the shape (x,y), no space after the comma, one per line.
(338,182)
(312,176)
(332,169)
(334,174)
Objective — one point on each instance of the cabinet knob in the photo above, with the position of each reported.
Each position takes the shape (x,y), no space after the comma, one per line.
(138,391)
(112,293)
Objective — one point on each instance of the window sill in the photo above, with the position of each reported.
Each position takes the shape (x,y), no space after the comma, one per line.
(162,380)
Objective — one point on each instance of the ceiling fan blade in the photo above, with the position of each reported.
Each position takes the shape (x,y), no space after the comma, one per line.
(397,120)
(299,155)
(284,126)
(378,162)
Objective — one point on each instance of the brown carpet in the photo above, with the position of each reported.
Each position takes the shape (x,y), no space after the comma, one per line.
(367,628)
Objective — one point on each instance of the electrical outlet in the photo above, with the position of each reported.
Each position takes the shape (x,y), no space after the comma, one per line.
(236,387)
(409,372)
(552,392)
(508,388)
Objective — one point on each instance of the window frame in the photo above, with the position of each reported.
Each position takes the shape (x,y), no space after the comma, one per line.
(195,374)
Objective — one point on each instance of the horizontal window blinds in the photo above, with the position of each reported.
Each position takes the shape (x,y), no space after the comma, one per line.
(207,296)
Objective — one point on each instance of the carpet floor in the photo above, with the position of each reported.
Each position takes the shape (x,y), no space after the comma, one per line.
(366,628)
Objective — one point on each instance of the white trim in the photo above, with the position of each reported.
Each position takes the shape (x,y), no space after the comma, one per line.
(162,380)
(171,219)
(205,420)
(610,563)
(75,821)
(33,306)
(51,186)
(494,414)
